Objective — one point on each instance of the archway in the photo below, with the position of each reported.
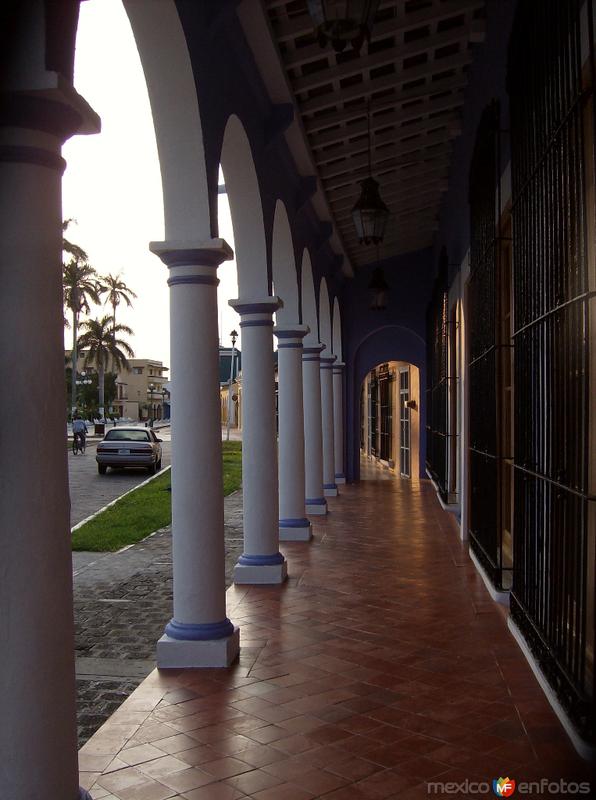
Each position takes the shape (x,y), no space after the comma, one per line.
(325,318)
(336,343)
(390,343)
(309,304)
(172,93)
(242,187)
(389,419)
(285,276)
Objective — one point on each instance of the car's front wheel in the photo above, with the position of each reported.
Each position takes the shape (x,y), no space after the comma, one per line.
(158,465)
(102,469)
(153,468)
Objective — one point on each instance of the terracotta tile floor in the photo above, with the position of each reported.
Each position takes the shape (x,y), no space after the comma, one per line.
(382,664)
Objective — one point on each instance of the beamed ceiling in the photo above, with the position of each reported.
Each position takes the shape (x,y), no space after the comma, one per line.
(413,73)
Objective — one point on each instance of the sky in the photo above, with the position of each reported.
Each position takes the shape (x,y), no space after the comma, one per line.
(112,183)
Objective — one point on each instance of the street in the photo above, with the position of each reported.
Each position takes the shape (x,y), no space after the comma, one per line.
(89,491)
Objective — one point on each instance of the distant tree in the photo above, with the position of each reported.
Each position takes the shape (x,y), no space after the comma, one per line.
(87,393)
(80,287)
(101,346)
(117,291)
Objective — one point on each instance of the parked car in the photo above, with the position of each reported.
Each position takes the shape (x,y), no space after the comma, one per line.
(129,447)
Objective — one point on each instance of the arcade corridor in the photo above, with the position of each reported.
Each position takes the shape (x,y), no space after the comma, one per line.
(423,198)
(382,664)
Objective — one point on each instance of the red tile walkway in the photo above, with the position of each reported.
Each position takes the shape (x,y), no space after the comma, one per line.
(381,665)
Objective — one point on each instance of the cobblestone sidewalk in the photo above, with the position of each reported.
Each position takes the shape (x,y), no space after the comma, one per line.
(122,602)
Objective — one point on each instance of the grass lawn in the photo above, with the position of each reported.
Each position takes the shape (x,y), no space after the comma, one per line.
(146,509)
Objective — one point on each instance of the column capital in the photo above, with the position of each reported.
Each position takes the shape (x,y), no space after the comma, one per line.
(291,335)
(313,352)
(210,253)
(259,305)
(256,313)
(327,362)
(338,367)
(56,109)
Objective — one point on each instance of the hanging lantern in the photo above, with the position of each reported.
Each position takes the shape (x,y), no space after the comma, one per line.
(379,291)
(370,214)
(343,22)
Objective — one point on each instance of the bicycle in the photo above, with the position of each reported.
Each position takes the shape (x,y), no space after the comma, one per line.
(78,444)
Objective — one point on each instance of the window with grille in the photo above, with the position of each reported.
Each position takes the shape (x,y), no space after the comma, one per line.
(551,79)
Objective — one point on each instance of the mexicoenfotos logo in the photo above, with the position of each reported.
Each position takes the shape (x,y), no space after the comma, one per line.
(503,787)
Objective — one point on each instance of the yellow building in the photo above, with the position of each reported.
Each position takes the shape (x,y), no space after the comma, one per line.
(141,390)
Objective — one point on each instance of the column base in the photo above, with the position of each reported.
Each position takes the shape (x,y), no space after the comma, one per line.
(187,653)
(260,573)
(316,506)
(330,490)
(84,794)
(295,530)
(340,480)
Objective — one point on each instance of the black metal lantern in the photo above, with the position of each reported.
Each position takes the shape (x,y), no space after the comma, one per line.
(370,214)
(379,291)
(343,22)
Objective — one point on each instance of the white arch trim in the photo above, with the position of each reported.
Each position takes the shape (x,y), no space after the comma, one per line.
(336,346)
(178,132)
(285,276)
(309,305)
(325,317)
(242,187)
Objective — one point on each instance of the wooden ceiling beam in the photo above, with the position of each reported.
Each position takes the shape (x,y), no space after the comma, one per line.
(440,156)
(295,27)
(363,91)
(389,142)
(394,55)
(443,115)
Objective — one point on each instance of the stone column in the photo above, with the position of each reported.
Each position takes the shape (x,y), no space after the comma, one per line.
(329,485)
(293,525)
(199,634)
(261,561)
(38,733)
(313,431)
(338,421)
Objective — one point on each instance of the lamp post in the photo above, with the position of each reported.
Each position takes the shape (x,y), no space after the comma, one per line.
(151,390)
(83,380)
(163,403)
(233,337)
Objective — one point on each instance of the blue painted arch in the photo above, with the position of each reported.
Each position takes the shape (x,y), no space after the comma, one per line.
(386,343)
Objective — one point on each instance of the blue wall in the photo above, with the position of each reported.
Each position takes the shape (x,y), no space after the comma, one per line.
(395,334)
(486,77)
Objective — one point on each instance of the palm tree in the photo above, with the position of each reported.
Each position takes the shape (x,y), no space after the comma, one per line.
(100,342)
(117,291)
(79,283)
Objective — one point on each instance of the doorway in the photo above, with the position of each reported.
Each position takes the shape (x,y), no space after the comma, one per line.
(389,415)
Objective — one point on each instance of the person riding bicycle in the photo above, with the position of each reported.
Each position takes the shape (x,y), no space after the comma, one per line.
(79,430)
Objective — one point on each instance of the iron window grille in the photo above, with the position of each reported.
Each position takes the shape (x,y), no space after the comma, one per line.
(437,346)
(550,83)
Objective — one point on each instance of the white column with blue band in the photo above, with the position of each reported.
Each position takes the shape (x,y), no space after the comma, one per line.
(261,561)
(338,421)
(293,523)
(329,485)
(199,634)
(316,504)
